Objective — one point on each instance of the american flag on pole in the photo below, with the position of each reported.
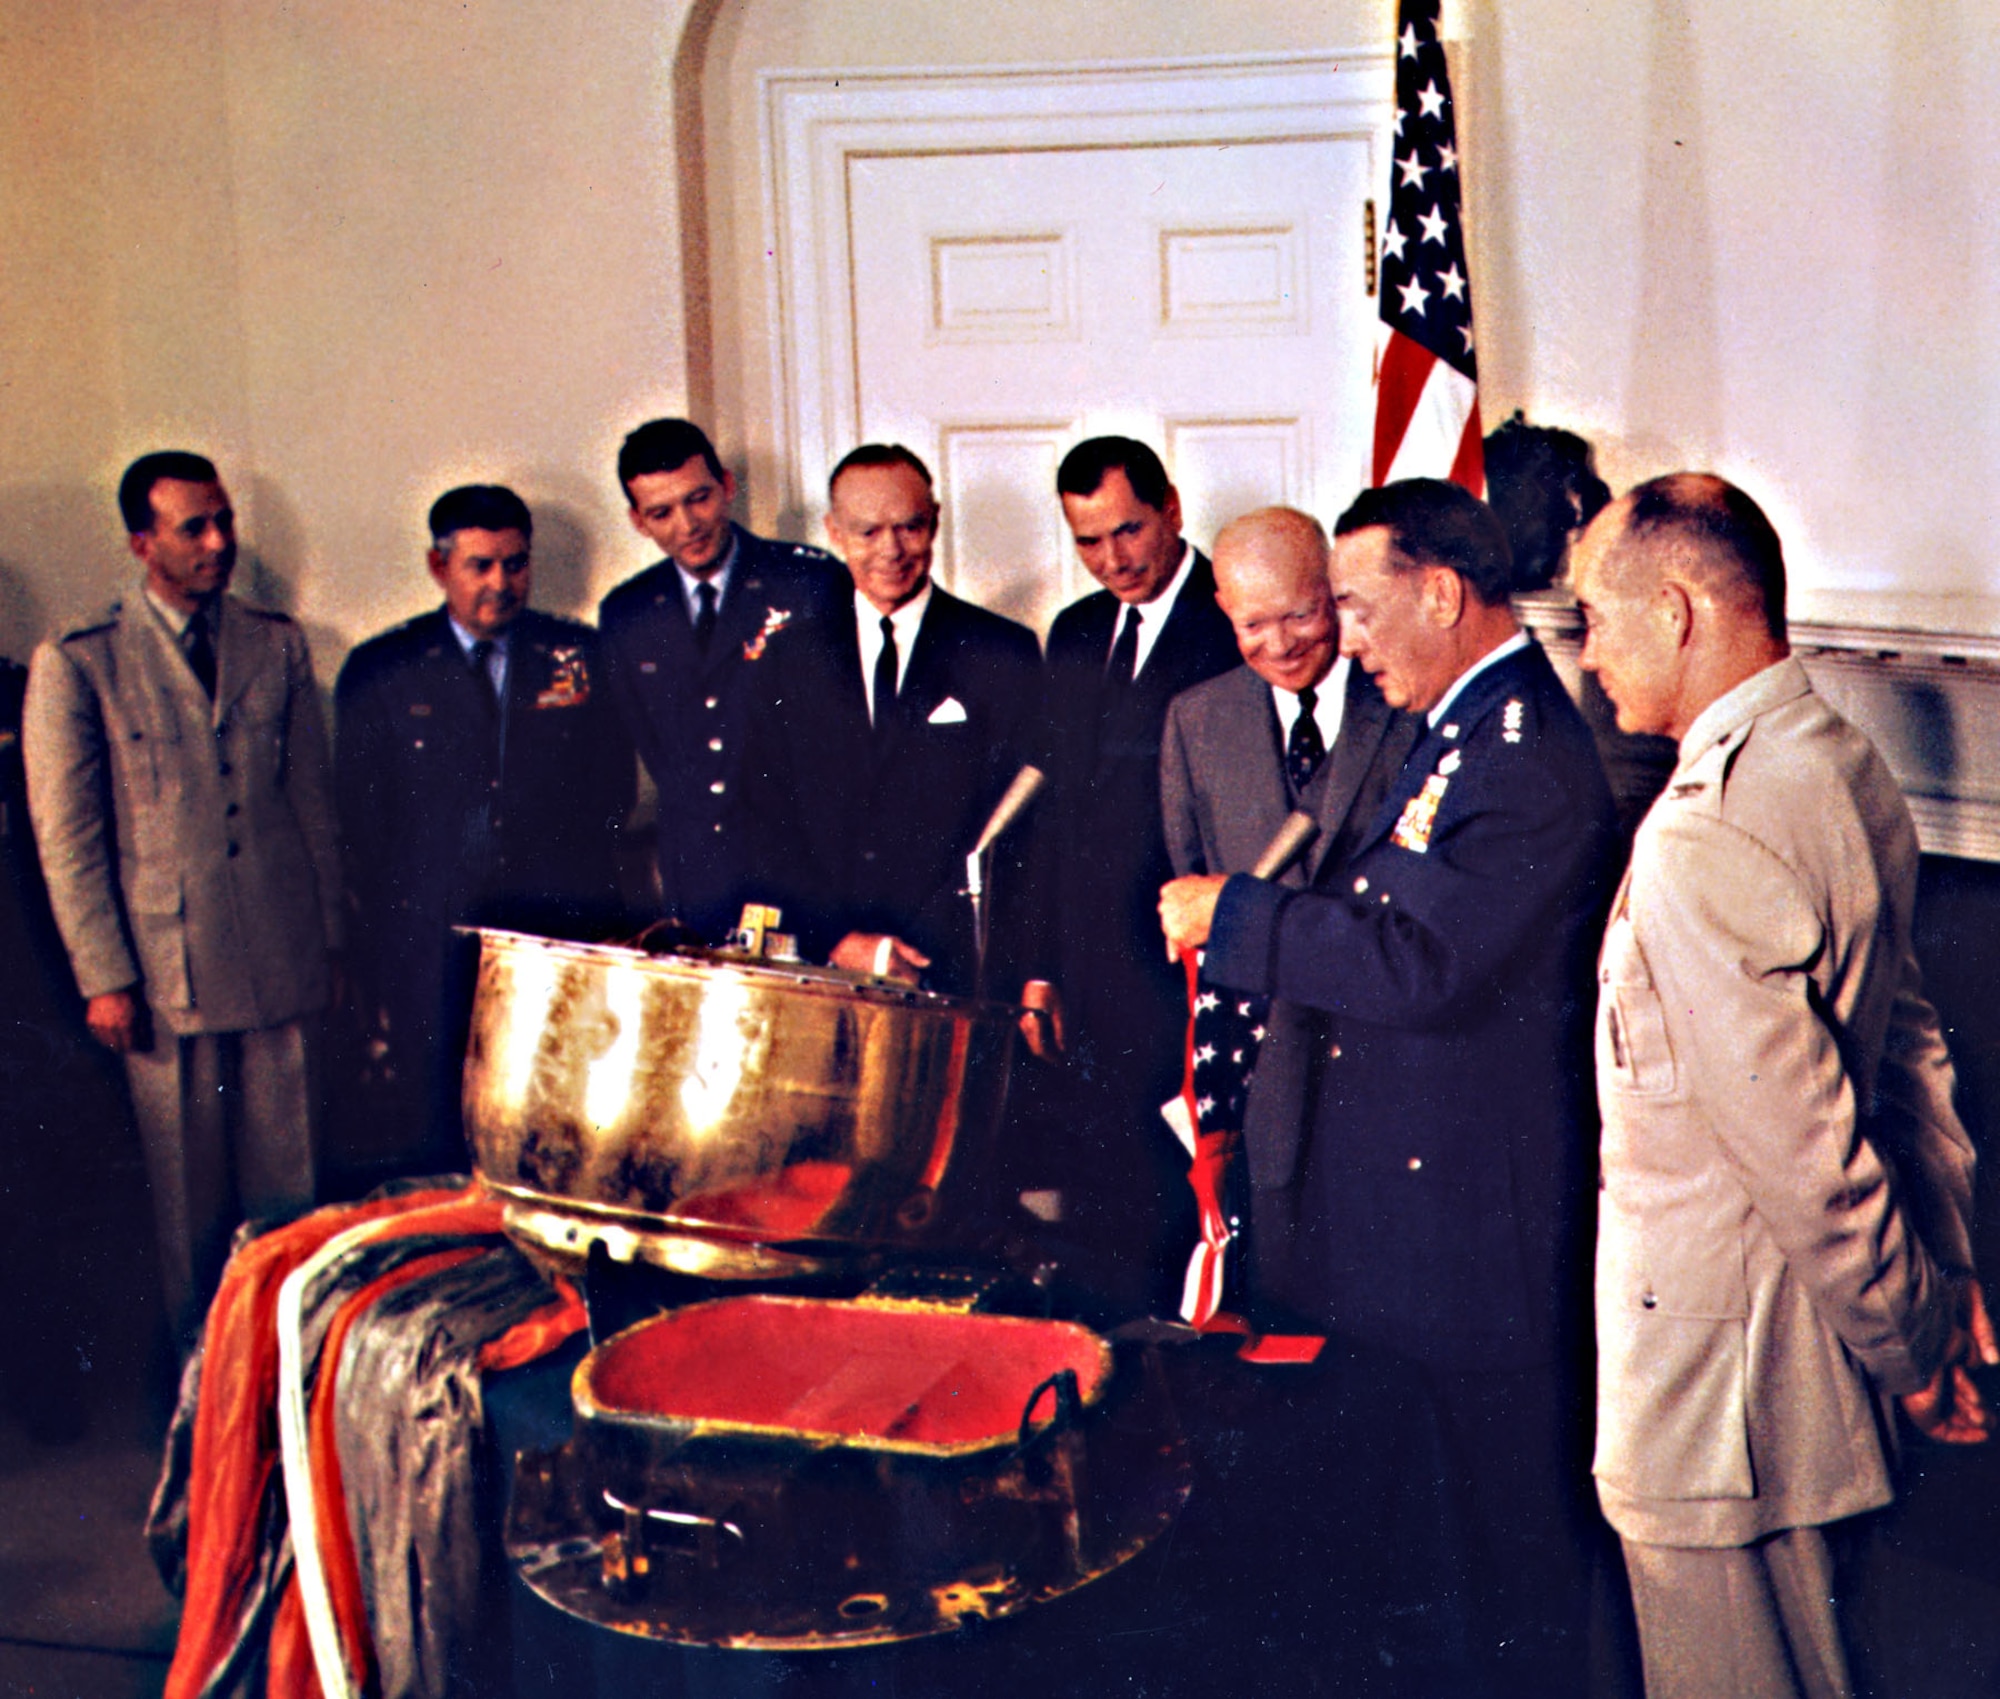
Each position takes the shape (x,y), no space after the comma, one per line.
(1426,378)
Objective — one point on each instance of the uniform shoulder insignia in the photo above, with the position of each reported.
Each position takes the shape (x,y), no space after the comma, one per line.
(1511,718)
(103,620)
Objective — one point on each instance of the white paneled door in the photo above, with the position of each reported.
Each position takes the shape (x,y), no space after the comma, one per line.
(1207,297)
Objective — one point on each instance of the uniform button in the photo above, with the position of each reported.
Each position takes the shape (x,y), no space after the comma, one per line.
(716,827)
(715,743)
(223,729)
(493,784)
(232,851)
(232,811)
(708,702)
(1334,1053)
(1385,896)
(1648,1301)
(716,788)
(224,768)
(867,855)
(1416,1162)
(1361,884)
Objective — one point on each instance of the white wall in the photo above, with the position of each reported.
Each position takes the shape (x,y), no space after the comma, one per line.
(1763,239)
(359,252)
(363,251)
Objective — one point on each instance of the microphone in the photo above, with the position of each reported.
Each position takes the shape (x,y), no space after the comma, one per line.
(1298,830)
(1020,793)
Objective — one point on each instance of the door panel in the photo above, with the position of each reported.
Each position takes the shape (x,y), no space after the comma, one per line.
(1207,299)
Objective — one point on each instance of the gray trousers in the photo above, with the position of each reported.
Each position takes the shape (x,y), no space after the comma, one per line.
(1740,1622)
(229,1124)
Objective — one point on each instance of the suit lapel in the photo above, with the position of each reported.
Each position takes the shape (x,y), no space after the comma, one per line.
(1366,720)
(927,679)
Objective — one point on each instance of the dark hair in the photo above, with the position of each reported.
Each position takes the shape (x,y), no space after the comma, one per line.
(1433,523)
(478,507)
(1541,486)
(877,454)
(135,489)
(665,445)
(1728,529)
(1086,466)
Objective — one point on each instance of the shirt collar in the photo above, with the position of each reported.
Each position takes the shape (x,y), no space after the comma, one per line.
(719,577)
(904,621)
(1153,615)
(1329,700)
(466,639)
(1762,691)
(174,619)
(1513,646)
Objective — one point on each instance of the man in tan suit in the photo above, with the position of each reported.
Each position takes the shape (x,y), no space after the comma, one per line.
(1783,1237)
(177,776)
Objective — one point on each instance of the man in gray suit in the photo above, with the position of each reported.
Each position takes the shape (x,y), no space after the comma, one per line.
(1783,1227)
(1297,727)
(177,776)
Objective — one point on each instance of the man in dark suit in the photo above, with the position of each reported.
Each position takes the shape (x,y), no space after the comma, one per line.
(681,642)
(1298,727)
(882,738)
(483,779)
(1433,1206)
(1115,660)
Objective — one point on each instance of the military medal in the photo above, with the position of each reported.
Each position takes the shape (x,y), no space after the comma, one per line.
(1413,829)
(775,620)
(569,680)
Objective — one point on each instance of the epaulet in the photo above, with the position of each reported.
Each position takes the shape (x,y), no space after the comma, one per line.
(1703,781)
(274,615)
(103,621)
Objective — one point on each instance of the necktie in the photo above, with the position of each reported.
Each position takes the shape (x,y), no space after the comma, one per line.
(200,650)
(704,616)
(885,674)
(482,672)
(1124,663)
(1306,749)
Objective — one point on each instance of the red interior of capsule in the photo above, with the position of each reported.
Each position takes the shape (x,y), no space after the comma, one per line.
(853,1371)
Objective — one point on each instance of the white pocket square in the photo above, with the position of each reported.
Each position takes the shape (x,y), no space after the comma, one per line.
(949,712)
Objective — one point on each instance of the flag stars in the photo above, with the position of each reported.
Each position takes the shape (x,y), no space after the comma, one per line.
(1205,1002)
(1433,226)
(1392,240)
(1415,297)
(1453,283)
(1414,171)
(1447,155)
(1432,100)
(1408,42)
(1204,1056)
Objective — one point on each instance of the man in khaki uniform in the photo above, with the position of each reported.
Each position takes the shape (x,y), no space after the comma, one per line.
(1783,1238)
(177,776)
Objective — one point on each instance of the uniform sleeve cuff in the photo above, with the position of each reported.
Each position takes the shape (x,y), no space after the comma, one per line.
(1243,937)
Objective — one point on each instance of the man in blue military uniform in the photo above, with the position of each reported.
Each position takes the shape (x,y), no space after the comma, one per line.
(483,778)
(682,641)
(1431,1206)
